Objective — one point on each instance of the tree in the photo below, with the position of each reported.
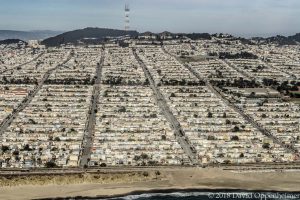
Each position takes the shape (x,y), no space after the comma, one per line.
(137,158)
(210,137)
(50,164)
(153,115)
(157,173)
(209,115)
(159,72)
(226,162)
(144,156)
(4,148)
(236,129)
(16,153)
(122,109)
(4,79)
(252,94)
(27,148)
(152,162)
(266,145)
(235,138)
(105,94)
(145,174)
(103,165)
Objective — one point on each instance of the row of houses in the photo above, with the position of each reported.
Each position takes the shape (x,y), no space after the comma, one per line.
(130,130)
(164,68)
(34,71)
(281,118)
(80,69)
(258,70)
(285,59)
(121,67)
(214,69)
(49,129)
(11,96)
(217,132)
(11,57)
(183,49)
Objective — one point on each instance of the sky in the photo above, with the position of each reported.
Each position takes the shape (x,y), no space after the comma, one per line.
(238,17)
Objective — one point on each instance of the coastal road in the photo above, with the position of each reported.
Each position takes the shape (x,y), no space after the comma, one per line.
(90,128)
(8,120)
(112,169)
(248,118)
(180,136)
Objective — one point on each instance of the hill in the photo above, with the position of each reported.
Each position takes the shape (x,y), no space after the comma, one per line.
(12,41)
(295,37)
(196,36)
(280,40)
(27,35)
(88,35)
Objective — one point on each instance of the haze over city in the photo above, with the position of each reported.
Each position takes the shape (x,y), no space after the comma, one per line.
(238,17)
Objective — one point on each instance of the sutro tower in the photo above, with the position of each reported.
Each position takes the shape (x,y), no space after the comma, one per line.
(127,19)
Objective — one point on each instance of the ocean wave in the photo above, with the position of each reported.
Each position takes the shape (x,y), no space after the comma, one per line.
(196,196)
(150,195)
(173,194)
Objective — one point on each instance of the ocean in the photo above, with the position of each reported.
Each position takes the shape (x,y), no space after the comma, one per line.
(207,195)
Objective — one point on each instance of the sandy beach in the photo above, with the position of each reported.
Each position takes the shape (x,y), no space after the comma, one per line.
(190,178)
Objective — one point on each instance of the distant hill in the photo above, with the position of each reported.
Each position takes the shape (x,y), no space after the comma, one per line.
(12,41)
(295,37)
(196,36)
(280,40)
(96,35)
(27,35)
(87,34)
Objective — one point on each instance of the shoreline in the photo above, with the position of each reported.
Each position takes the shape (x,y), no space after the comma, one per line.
(170,180)
(173,190)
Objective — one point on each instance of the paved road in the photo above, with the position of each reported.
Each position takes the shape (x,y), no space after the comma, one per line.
(248,118)
(169,115)
(251,120)
(90,129)
(116,169)
(23,64)
(8,120)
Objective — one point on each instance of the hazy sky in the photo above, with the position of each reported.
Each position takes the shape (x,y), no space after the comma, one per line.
(239,17)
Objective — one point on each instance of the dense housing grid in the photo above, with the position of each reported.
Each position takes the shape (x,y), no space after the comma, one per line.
(170,103)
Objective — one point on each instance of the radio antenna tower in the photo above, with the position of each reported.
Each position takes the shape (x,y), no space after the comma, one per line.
(127,19)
